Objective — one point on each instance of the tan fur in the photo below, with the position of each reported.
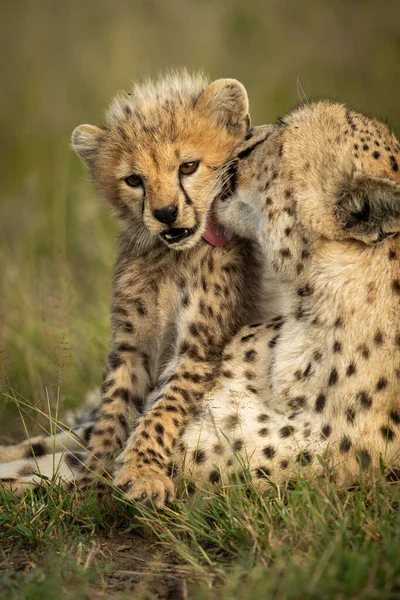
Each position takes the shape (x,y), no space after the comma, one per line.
(175,307)
(322,195)
(317,388)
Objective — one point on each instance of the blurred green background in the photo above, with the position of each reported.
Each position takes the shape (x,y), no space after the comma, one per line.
(61,64)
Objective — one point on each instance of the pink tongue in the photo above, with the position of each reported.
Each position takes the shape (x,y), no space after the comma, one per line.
(216,234)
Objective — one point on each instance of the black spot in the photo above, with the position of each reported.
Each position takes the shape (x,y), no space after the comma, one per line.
(126,348)
(128,327)
(364,351)
(140,307)
(337,346)
(114,360)
(286,431)
(393,162)
(36,449)
(250,355)
(273,341)
(387,433)
(159,428)
(364,399)
(304,458)
(378,338)
(307,370)
(364,459)
(350,415)
(251,389)
(345,444)
(248,337)
(396,286)
(237,445)
(122,393)
(214,477)
(333,377)
(75,460)
(395,416)
(338,323)
(87,433)
(326,431)
(351,369)
(382,383)
(297,402)
(376,154)
(263,432)
(284,464)
(392,255)
(320,403)
(263,418)
(269,452)
(217,448)
(199,456)
(285,253)
(232,421)
(262,472)
(249,375)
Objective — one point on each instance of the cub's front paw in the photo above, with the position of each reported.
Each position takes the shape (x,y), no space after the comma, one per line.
(145,484)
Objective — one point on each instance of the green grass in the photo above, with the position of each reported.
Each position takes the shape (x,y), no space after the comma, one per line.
(307,542)
(64,62)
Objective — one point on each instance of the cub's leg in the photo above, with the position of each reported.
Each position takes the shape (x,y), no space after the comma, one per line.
(129,376)
(204,329)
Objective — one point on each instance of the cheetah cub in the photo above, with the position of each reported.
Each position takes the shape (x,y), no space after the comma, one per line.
(321,382)
(182,285)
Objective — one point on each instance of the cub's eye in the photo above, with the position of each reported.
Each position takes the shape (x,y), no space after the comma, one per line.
(189,167)
(134,181)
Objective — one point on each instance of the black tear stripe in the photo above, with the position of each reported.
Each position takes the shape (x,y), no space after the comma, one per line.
(144,198)
(245,153)
(187,198)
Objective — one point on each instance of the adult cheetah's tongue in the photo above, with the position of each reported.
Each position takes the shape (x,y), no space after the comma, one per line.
(216,234)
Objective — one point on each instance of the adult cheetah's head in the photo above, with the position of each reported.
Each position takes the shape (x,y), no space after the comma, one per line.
(324,175)
(161,157)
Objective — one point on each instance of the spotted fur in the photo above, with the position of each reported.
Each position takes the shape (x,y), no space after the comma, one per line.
(316,389)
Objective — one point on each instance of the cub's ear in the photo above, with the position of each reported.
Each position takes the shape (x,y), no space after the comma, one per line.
(227,100)
(369,208)
(85,141)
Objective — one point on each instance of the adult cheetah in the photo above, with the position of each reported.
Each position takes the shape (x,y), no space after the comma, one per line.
(317,388)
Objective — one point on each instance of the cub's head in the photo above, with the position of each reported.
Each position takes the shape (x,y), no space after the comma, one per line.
(324,174)
(160,159)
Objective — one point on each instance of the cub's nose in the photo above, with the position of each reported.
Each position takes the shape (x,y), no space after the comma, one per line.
(166,214)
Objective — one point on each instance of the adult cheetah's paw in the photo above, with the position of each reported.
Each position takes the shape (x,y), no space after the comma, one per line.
(144,484)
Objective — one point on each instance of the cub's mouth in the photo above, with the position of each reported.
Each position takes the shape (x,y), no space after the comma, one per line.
(177,234)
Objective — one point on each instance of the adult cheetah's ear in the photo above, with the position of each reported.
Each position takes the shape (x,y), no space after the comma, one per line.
(85,141)
(227,100)
(369,208)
